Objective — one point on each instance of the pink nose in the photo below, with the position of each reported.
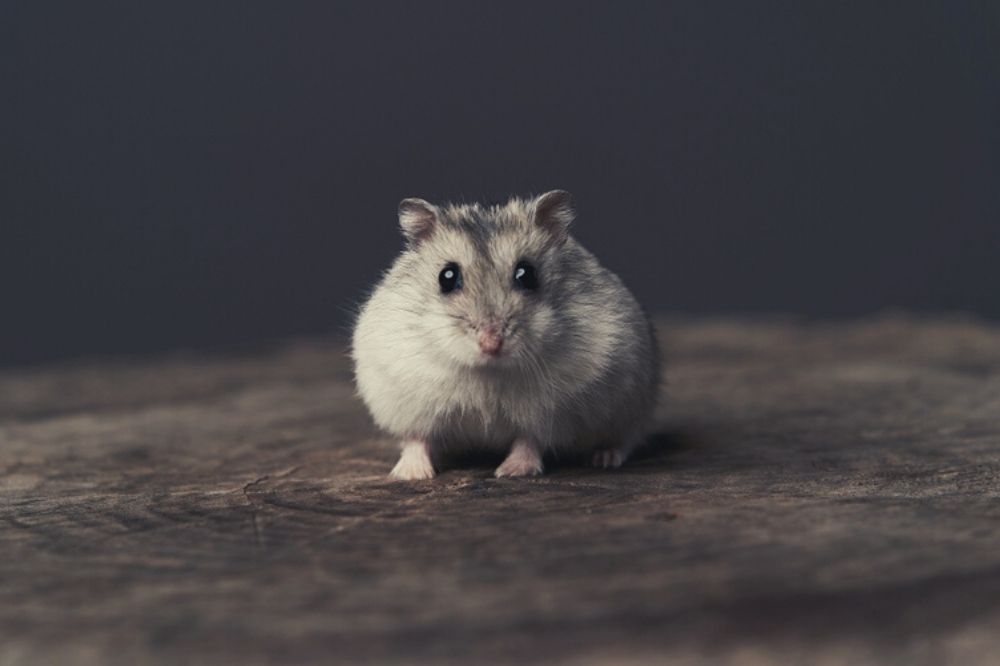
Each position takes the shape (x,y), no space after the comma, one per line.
(490,342)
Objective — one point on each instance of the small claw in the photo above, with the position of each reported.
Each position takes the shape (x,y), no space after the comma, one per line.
(517,469)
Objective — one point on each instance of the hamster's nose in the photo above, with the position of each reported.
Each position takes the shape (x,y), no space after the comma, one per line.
(490,340)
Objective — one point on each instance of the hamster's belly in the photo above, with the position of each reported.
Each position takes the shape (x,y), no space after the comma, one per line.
(474,431)
(429,404)
(474,415)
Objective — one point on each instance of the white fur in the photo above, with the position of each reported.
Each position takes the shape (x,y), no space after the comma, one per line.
(578,369)
(414,462)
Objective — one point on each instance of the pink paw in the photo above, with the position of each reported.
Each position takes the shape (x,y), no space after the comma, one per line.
(524,459)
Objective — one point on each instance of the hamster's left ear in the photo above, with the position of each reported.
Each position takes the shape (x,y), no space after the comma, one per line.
(417,219)
(554,213)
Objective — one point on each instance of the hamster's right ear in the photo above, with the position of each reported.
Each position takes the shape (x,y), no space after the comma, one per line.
(417,219)
(554,213)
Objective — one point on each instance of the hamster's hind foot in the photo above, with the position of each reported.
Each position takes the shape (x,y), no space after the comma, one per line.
(524,459)
(613,457)
(414,462)
(608,458)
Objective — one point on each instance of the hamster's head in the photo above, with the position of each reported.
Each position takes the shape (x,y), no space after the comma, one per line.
(485,282)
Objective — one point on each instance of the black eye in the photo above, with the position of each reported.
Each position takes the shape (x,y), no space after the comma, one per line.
(450,278)
(524,276)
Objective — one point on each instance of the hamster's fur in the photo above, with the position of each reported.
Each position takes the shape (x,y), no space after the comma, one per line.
(495,329)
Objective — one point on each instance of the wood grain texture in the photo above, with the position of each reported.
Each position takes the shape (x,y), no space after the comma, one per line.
(815,493)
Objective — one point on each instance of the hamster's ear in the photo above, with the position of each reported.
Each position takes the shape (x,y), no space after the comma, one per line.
(417,219)
(554,213)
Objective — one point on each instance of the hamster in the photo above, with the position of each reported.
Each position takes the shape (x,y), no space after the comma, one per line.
(496,330)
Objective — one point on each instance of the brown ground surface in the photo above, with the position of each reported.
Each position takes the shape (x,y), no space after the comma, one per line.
(815,493)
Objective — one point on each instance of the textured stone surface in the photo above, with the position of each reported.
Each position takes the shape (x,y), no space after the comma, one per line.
(819,493)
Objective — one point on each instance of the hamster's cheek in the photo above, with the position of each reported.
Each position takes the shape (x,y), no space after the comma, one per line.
(457,345)
(541,321)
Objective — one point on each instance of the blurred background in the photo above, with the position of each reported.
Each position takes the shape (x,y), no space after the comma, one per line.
(192,174)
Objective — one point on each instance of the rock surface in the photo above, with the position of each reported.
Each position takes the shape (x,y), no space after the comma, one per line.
(815,493)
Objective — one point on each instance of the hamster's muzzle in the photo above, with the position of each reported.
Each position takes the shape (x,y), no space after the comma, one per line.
(491,340)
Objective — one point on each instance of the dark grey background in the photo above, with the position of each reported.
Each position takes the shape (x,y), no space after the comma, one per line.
(205,174)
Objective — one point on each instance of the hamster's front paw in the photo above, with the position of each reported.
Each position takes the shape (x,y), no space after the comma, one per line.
(414,463)
(524,459)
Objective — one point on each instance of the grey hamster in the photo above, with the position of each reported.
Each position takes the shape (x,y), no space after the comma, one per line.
(496,330)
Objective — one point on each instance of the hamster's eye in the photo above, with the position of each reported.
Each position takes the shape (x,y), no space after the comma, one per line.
(450,278)
(525,276)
